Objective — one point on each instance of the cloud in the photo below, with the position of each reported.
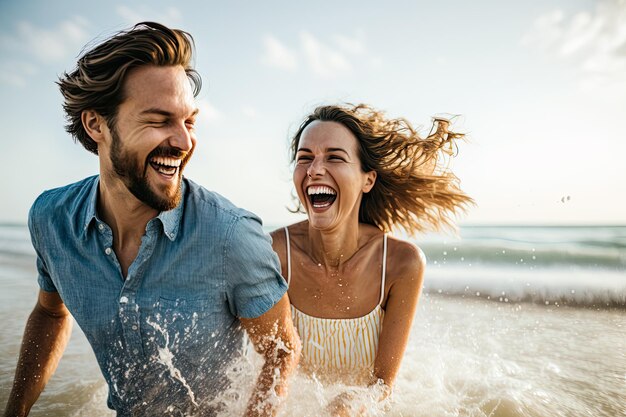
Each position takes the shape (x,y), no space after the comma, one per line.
(170,15)
(48,45)
(324,60)
(594,41)
(277,55)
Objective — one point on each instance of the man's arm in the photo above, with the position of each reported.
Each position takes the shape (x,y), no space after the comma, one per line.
(274,337)
(47,331)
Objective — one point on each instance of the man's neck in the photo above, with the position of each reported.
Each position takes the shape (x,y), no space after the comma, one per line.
(127,216)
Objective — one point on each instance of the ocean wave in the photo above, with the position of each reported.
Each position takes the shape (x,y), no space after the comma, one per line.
(550,286)
(514,253)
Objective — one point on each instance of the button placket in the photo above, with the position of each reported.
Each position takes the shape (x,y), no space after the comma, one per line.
(107,240)
(131,310)
(129,317)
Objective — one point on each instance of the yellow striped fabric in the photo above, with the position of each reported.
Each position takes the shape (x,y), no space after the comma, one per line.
(337,347)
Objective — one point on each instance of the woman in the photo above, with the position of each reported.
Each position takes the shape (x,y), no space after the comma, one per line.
(354,288)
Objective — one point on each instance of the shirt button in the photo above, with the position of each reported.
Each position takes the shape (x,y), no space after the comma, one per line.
(107,251)
(100,226)
(134,327)
(123,299)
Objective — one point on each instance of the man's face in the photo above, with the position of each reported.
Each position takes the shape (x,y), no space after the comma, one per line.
(153,137)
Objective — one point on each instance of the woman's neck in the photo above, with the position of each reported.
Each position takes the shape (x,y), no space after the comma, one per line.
(332,248)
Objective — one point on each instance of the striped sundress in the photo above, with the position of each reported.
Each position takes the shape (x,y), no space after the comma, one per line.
(342,349)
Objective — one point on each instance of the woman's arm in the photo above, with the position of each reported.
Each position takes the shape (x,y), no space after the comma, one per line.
(406,264)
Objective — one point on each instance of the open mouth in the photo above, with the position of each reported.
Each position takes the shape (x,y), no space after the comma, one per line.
(165,165)
(321,196)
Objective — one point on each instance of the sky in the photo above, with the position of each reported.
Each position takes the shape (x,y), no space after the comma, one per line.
(539,87)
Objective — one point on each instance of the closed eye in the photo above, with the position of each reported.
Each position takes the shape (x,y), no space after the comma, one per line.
(303,159)
(156,123)
(336,158)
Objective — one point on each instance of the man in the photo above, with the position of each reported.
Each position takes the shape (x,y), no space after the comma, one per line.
(160,274)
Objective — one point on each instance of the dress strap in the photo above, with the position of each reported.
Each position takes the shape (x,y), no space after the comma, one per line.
(382,283)
(289,256)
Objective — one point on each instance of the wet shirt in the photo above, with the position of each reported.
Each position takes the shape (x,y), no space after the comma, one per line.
(166,334)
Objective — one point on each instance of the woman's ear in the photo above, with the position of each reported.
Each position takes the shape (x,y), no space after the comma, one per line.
(94,124)
(370,180)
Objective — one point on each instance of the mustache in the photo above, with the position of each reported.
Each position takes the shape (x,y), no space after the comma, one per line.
(169,151)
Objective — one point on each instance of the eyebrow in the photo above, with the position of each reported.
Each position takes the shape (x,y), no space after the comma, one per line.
(326,150)
(155,110)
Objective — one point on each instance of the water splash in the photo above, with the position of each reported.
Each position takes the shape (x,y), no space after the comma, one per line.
(166,358)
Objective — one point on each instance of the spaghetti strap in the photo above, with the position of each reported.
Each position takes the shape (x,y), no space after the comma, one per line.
(289,256)
(382,283)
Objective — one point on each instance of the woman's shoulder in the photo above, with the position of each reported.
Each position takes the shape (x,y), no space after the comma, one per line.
(405,260)
(279,236)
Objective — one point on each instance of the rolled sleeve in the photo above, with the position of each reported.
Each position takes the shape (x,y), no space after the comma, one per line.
(253,279)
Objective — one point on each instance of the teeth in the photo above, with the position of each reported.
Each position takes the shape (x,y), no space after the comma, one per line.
(320,189)
(170,162)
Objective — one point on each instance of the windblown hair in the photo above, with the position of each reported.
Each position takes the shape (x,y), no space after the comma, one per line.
(414,189)
(97,83)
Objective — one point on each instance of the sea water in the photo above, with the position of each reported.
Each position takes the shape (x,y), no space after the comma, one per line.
(513,321)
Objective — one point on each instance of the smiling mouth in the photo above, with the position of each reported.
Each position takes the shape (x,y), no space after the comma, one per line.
(165,165)
(321,196)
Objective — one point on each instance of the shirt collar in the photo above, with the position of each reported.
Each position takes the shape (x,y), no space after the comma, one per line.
(170,219)
(92,201)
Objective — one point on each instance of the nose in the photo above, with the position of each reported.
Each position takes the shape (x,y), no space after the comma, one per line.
(317,168)
(182,137)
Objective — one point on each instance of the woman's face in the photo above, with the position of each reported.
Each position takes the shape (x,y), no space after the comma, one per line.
(328,175)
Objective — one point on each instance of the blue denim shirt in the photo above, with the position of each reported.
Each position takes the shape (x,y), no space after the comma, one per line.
(165,335)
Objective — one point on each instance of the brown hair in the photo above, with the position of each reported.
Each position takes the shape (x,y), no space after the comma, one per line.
(414,189)
(98,80)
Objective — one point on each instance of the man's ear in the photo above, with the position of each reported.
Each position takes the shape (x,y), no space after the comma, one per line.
(94,124)
(370,180)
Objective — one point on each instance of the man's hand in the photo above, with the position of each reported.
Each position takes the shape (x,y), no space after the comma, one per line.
(274,337)
(47,331)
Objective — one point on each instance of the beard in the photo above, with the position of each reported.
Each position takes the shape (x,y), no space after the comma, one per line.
(135,178)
